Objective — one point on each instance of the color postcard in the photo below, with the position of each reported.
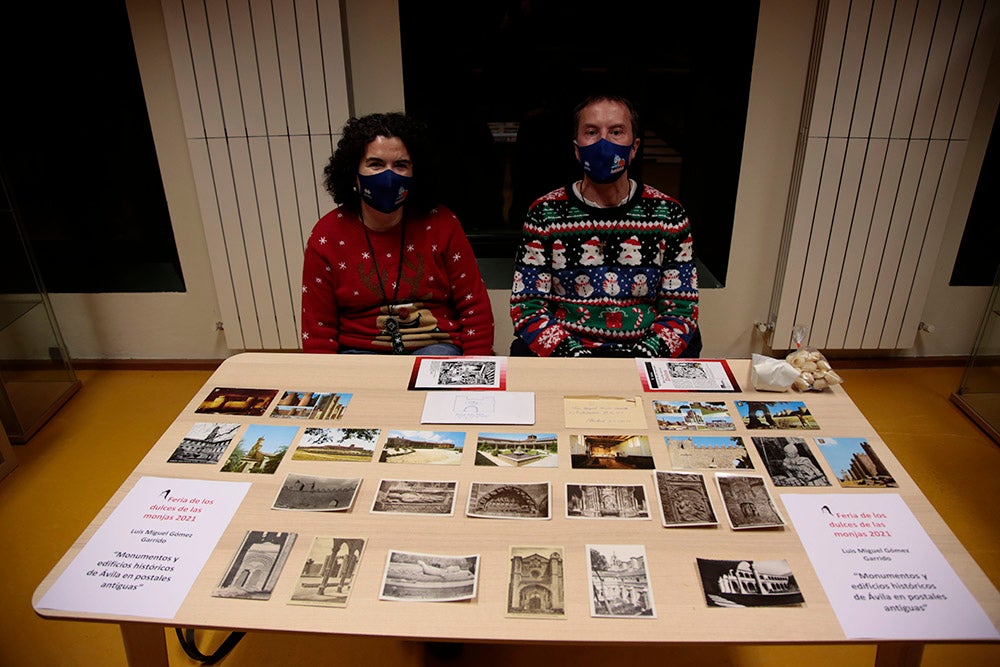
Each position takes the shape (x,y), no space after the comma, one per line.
(775,415)
(712,452)
(261,449)
(612,452)
(443,448)
(518,450)
(336,444)
(327,577)
(236,401)
(855,463)
(311,405)
(692,416)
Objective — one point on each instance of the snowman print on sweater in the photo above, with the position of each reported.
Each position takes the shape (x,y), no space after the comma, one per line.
(610,284)
(640,285)
(583,286)
(671,279)
(518,285)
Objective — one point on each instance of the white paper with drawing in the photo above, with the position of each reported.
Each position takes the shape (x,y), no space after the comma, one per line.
(479,407)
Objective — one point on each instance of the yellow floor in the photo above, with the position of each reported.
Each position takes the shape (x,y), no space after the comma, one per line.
(71,467)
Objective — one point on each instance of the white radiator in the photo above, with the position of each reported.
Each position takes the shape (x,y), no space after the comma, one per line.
(263,89)
(894,87)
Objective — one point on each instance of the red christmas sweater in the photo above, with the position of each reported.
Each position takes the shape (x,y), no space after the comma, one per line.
(348,294)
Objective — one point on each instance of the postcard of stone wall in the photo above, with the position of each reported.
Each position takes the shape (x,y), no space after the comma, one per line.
(328,574)
(237,401)
(748,583)
(424,447)
(611,452)
(619,581)
(326,405)
(336,444)
(536,586)
(307,493)
(411,496)
(789,461)
(855,463)
(261,449)
(255,568)
(429,577)
(205,442)
(693,416)
(518,450)
(606,501)
(490,500)
(748,502)
(707,452)
(684,499)
(781,415)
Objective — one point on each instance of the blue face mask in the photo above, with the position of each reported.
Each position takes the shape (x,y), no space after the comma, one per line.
(605,161)
(385,191)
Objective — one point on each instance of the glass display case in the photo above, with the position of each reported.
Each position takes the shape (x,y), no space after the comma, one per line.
(979,392)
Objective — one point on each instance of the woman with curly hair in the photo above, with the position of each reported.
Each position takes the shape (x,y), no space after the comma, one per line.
(390,270)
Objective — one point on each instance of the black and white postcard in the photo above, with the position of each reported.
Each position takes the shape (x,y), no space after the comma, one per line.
(336,444)
(606,501)
(328,574)
(526,500)
(748,502)
(748,583)
(316,494)
(536,587)
(255,568)
(686,375)
(684,499)
(206,442)
(789,461)
(459,373)
(619,581)
(411,496)
(429,577)
(708,452)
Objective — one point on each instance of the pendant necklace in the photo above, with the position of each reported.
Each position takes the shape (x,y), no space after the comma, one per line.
(391,324)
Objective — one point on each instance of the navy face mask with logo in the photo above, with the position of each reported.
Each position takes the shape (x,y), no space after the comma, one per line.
(385,191)
(605,161)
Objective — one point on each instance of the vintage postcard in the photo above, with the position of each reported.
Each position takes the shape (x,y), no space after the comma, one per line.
(684,499)
(776,415)
(619,581)
(236,401)
(443,448)
(695,452)
(411,496)
(316,494)
(693,416)
(261,449)
(429,577)
(536,587)
(205,442)
(748,583)
(789,461)
(626,451)
(255,568)
(855,463)
(459,373)
(336,444)
(686,375)
(527,450)
(529,500)
(606,501)
(311,405)
(748,502)
(327,576)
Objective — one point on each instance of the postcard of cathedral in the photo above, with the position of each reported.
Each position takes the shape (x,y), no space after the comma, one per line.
(510,500)
(536,586)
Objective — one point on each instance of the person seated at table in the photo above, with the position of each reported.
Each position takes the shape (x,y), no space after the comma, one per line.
(390,270)
(605,266)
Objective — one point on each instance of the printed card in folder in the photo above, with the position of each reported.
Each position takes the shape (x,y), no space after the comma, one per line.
(686,375)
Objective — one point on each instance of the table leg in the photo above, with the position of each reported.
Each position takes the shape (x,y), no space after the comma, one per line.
(145,645)
(899,655)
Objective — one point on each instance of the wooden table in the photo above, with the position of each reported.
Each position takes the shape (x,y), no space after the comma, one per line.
(380,398)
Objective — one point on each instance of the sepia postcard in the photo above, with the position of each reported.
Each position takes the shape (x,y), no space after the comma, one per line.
(327,576)
(459,373)
(235,401)
(311,405)
(255,568)
(612,452)
(443,448)
(528,500)
(536,586)
(409,496)
(748,583)
(790,415)
(748,502)
(307,493)
(693,416)
(789,461)
(697,452)
(684,499)
(686,375)
(855,463)
(518,450)
(261,449)
(606,501)
(336,444)
(619,581)
(429,577)
(205,442)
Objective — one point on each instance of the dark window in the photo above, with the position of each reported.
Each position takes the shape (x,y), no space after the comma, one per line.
(977,261)
(497,81)
(77,153)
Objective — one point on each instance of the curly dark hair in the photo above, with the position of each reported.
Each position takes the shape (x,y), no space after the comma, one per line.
(342,170)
